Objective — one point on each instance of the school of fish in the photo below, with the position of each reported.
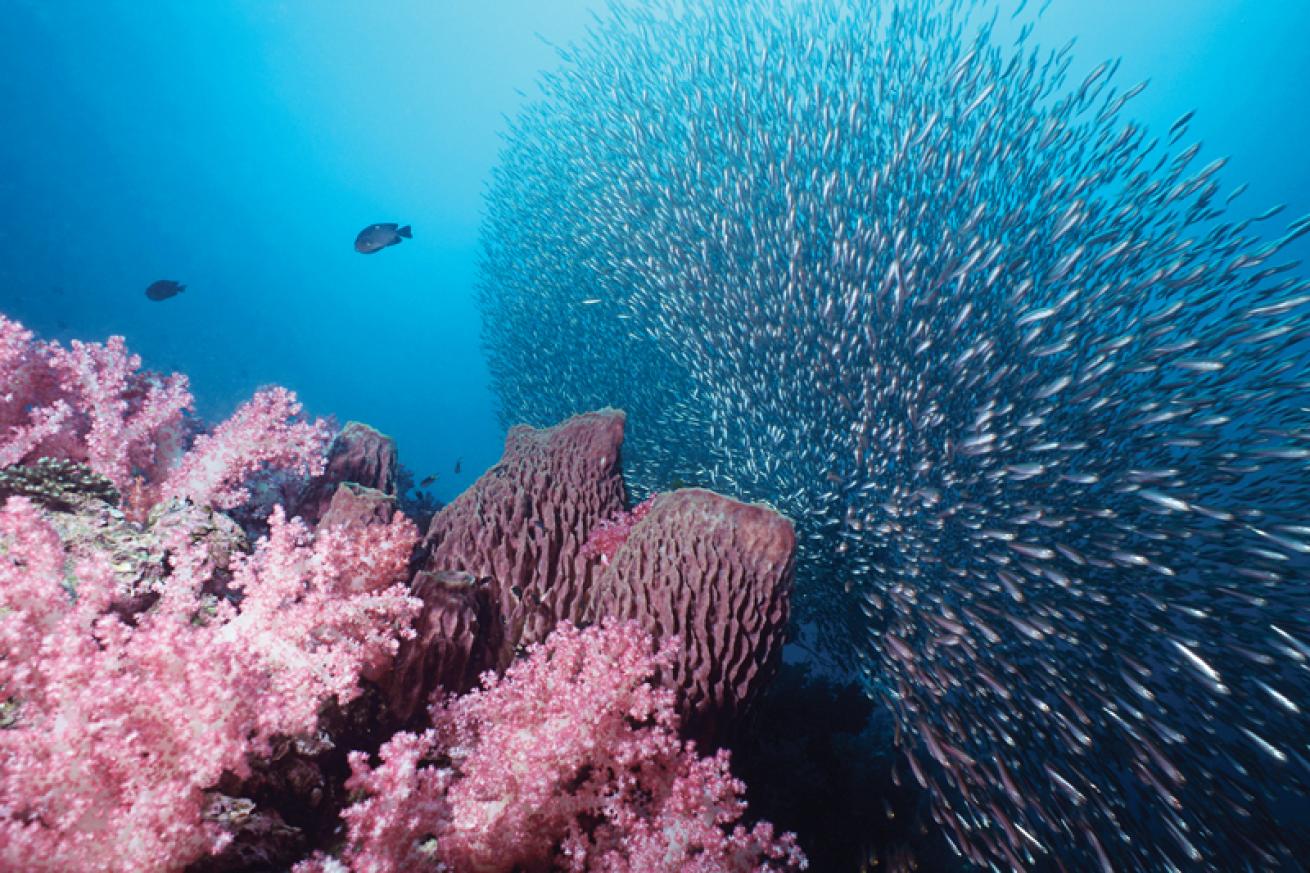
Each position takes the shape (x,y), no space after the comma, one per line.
(1031,381)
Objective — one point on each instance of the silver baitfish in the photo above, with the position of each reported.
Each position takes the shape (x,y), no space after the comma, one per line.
(1035,398)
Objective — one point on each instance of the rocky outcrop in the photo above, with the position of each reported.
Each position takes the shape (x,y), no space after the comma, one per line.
(57,484)
(358,454)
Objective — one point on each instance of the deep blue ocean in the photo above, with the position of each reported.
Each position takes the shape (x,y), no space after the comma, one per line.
(238,148)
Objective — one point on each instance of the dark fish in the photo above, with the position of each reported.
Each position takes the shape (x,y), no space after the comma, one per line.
(376,237)
(428,480)
(457,465)
(164,289)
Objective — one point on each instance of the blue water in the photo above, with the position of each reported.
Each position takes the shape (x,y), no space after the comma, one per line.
(238,147)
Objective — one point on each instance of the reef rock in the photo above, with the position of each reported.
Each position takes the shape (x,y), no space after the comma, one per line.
(717,573)
(355,505)
(522,525)
(358,454)
(260,839)
(58,484)
(291,798)
(139,554)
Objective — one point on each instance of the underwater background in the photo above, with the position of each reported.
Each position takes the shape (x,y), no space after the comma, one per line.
(238,148)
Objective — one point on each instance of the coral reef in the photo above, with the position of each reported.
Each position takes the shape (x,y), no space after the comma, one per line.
(194,680)
(93,404)
(121,725)
(263,431)
(573,757)
(87,402)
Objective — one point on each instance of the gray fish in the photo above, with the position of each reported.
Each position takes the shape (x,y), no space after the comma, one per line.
(164,289)
(376,237)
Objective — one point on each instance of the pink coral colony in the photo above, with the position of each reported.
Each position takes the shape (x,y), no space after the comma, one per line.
(605,538)
(173,696)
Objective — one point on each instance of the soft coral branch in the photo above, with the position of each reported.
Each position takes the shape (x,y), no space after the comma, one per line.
(43,425)
(126,410)
(266,430)
(607,536)
(92,403)
(32,412)
(119,728)
(570,759)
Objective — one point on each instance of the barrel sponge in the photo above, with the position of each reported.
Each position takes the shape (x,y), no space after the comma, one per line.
(358,454)
(522,525)
(717,573)
(456,637)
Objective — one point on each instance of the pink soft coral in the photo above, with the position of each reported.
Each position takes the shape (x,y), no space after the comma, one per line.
(122,413)
(116,729)
(571,759)
(606,537)
(265,430)
(93,403)
(31,413)
(88,402)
